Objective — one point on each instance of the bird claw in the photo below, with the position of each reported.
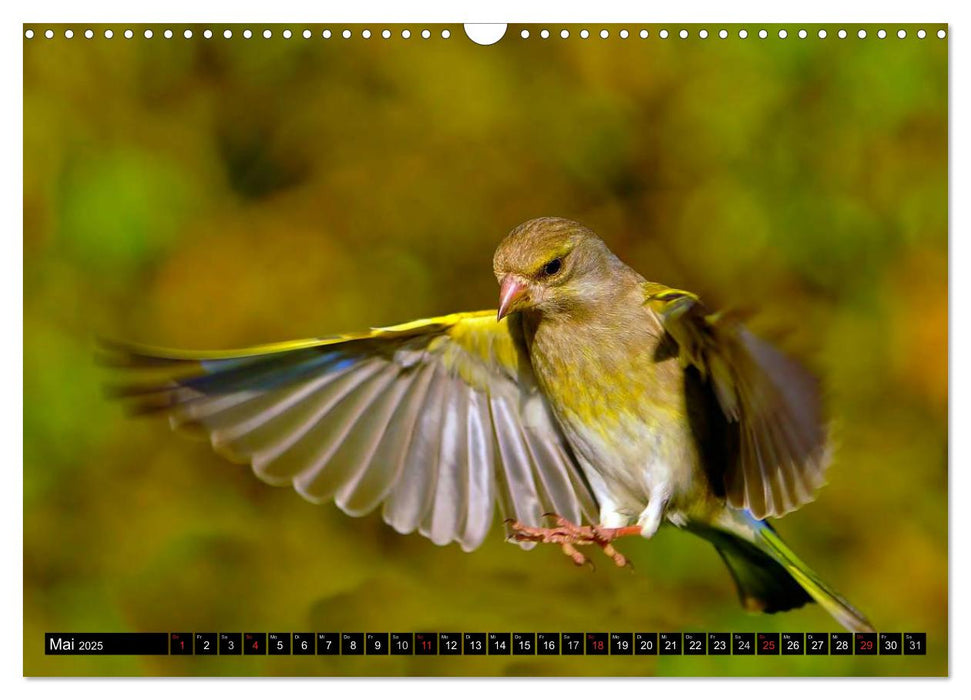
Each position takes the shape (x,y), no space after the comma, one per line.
(569,536)
(578,558)
(619,559)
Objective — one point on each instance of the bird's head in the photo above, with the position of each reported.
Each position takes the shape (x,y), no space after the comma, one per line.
(553,266)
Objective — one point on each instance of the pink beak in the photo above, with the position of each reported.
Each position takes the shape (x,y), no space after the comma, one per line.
(510,291)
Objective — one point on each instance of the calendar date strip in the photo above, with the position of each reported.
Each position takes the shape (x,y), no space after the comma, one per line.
(486,643)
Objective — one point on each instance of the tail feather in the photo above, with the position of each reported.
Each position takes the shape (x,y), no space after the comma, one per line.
(835,604)
(770,577)
(763,584)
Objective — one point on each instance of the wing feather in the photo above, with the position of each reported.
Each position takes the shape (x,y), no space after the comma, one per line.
(375,484)
(348,426)
(443,521)
(553,484)
(438,420)
(771,401)
(406,505)
(480,479)
(280,444)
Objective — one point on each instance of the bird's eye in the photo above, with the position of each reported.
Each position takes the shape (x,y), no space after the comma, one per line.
(552,267)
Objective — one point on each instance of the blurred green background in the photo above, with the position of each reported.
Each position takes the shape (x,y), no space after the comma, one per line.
(221,193)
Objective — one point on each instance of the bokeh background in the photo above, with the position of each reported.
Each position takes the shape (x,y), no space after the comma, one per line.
(220,193)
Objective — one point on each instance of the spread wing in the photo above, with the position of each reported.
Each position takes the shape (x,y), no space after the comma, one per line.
(771,404)
(436,419)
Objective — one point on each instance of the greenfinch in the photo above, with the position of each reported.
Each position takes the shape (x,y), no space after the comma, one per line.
(611,404)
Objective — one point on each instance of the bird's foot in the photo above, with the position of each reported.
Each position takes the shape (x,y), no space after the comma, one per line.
(569,535)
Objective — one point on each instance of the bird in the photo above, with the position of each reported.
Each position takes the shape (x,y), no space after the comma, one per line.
(592,405)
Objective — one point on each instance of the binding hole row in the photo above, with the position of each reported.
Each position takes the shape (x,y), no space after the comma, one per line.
(445,34)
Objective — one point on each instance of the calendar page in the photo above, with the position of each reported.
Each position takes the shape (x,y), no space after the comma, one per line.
(529,349)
